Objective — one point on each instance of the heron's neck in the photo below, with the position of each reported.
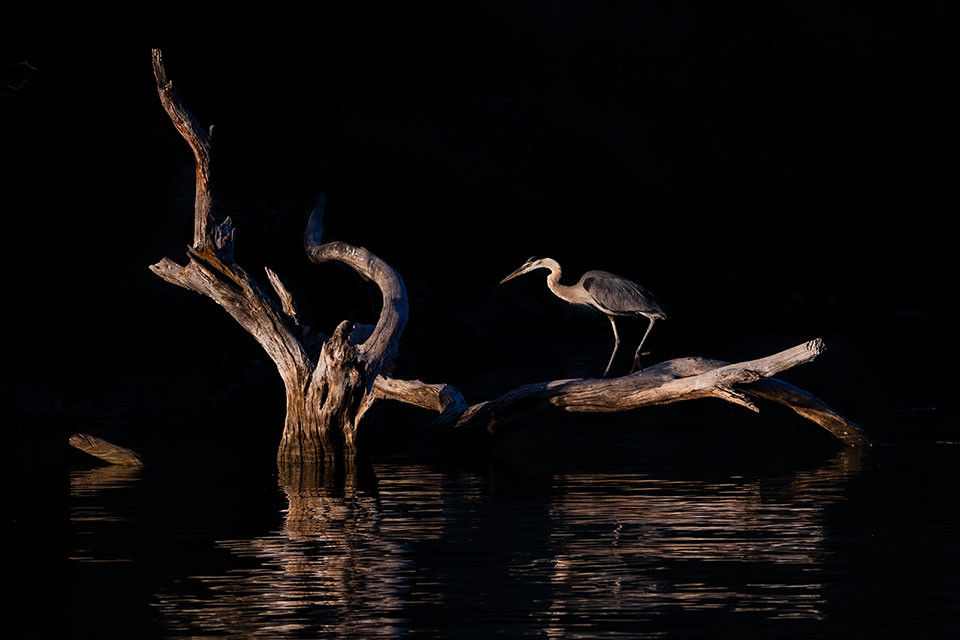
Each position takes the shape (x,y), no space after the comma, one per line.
(562,291)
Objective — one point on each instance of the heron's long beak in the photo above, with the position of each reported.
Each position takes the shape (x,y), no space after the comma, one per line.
(516,273)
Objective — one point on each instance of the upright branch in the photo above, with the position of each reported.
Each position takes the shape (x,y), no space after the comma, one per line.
(199,141)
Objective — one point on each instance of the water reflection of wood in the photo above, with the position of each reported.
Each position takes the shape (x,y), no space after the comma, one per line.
(93,481)
(640,540)
(334,568)
(354,561)
(92,515)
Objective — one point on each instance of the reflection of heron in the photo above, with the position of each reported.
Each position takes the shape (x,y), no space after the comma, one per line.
(606,292)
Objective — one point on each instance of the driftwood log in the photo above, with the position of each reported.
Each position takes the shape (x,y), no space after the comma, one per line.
(331,381)
(106,451)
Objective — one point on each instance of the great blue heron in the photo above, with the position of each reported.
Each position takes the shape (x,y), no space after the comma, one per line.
(610,294)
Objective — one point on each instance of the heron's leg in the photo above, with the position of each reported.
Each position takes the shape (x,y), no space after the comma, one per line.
(636,358)
(616,345)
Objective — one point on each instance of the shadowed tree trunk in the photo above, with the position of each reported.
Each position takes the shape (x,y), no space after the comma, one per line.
(331,381)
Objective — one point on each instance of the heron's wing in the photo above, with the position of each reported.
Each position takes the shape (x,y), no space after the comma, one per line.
(618,295)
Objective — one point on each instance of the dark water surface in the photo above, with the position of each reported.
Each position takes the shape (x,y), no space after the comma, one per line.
(787,545)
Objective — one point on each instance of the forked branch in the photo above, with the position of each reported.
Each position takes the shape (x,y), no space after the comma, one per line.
(106,451)
(667,382)
(210,270)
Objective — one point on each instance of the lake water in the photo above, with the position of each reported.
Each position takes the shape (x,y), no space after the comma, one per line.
(782,544)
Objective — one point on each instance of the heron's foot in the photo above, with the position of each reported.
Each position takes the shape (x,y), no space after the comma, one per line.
(638,363)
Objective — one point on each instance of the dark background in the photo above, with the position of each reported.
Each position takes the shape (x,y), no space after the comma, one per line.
(774,172)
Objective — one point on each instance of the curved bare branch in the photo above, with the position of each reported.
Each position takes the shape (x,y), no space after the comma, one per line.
(381,345)
(812,408)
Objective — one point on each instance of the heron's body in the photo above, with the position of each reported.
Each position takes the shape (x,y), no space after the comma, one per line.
(609,293)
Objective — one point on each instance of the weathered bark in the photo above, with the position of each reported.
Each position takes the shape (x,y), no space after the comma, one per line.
(331,382)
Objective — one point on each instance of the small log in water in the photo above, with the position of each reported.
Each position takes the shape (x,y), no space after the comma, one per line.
(100,448)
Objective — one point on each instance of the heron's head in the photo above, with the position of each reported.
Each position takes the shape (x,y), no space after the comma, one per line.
(531,264)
